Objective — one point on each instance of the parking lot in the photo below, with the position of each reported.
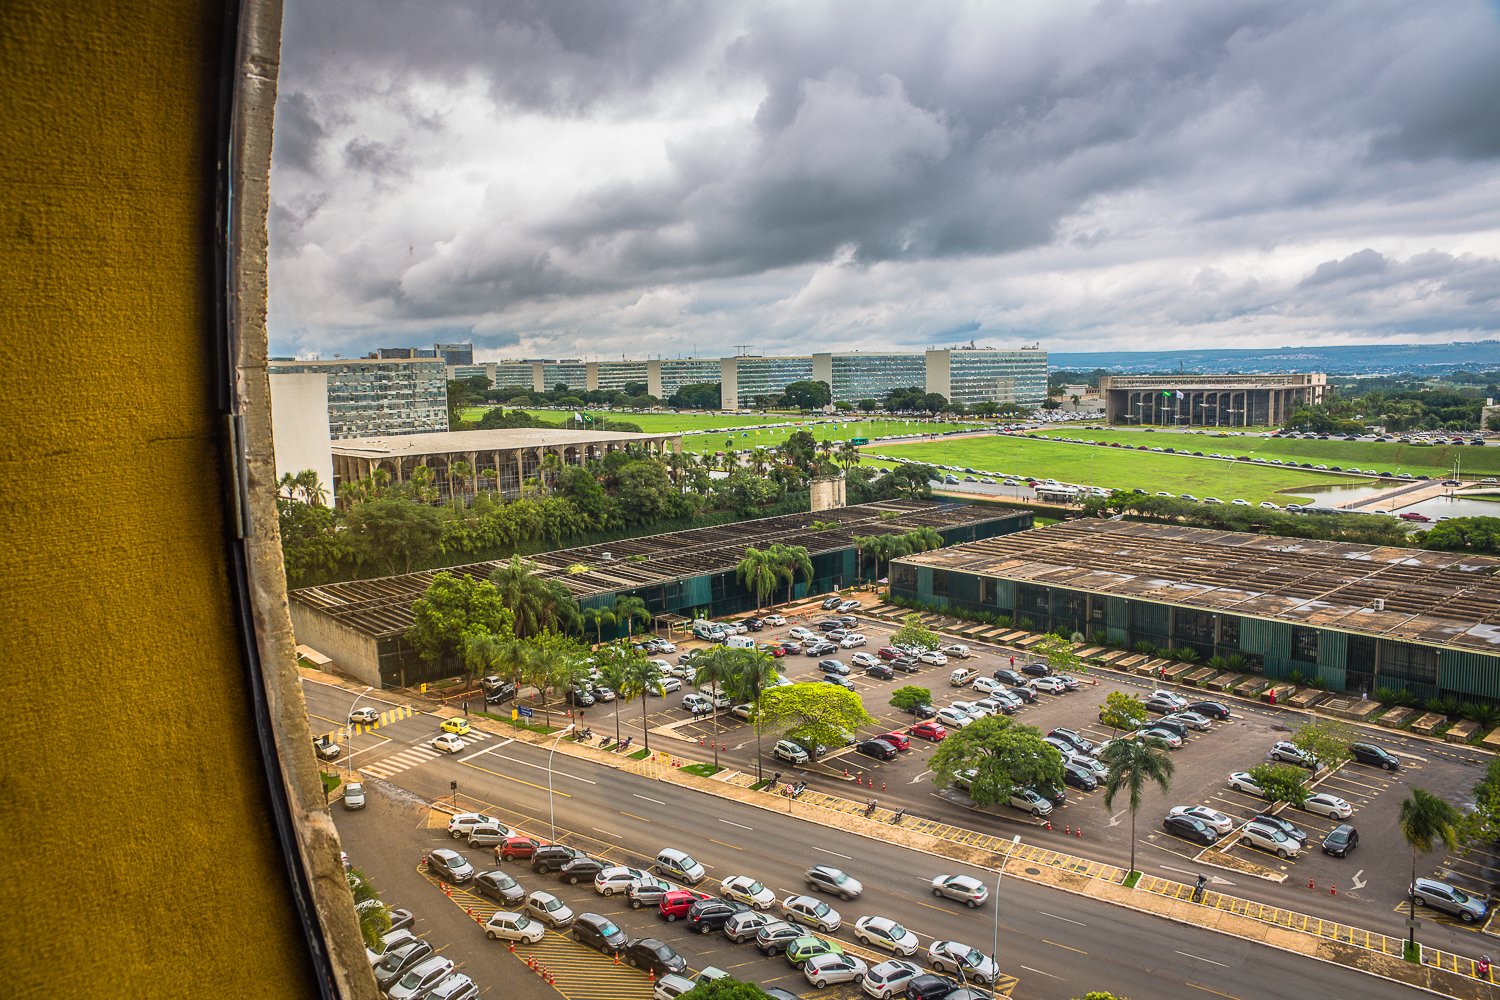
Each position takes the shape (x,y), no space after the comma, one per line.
(1366,887)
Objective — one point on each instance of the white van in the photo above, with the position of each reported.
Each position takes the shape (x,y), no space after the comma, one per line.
(708,631)
(740,642)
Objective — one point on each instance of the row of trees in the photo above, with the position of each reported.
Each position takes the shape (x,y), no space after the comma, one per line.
(883,548)
(1350,411)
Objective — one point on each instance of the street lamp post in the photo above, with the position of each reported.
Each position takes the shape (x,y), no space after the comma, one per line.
(995,944)
(551,812)
(352,706)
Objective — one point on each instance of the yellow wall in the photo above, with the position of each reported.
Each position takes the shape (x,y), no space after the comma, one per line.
(135,815)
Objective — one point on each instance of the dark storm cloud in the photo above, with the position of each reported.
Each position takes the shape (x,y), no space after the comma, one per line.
(884,169)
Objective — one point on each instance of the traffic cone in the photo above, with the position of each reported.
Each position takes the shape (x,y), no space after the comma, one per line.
(512,947)
(1311,884)
(882,786)
(1049,824)
(1333,890)
(1067,830)
(1078,832)
(617,958)
(651,975)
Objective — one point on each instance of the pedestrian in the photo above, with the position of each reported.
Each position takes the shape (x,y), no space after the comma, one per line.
(466,706)
(1012,661)
(1273,696)
(1364,696)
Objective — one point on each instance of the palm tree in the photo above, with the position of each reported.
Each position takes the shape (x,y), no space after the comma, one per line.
(757,571)
(862,544)
(424,484)
(629,610)
(923,539)
(1132,764)
(1425,821)
(613,675)
(598,618)
(718,666)
(374,916)
(641,677)
(794,562)
(759,459)
(459,474)
(754,672)
(484,654)
(535,602)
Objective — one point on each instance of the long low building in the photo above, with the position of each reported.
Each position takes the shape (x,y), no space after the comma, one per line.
(361,625)
(476,461)
(1208,400)
(1356,617)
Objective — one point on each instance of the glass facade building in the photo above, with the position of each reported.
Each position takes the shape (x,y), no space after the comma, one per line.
(573,374)
(666,376)
(612,376)
(983,375)
(856,376)
(748,380)
(369,397)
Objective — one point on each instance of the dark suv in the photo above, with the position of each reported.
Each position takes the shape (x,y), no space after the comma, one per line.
(497,689)
(1369,753)
(580,870)
(708,915)
(551,857)
(1010,677)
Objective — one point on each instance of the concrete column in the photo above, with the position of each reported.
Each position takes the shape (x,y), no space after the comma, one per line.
(653,379)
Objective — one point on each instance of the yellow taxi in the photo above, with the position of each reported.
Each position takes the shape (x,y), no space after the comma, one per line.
(457,725)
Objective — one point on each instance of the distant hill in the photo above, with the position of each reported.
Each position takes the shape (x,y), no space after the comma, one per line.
(1358,359)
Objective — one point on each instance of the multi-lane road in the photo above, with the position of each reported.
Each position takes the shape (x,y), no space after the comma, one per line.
(1057,944)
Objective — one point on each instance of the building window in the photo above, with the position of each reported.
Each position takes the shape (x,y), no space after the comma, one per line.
(1034,601)
(939,583)
(1304,644)
(989,592)
(1406,662)
(903,577)
(1229,632)
(1194,627)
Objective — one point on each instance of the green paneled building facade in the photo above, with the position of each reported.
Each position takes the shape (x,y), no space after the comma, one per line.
(1356,617)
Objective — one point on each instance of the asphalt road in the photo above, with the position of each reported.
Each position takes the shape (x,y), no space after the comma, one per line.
(1057,944)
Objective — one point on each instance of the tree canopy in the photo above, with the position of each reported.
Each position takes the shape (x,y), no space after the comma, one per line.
(910,697)
(996,755)
(807,395)
(913,633)
(454,609)
(1281,782)
(822,713)
(1326,739)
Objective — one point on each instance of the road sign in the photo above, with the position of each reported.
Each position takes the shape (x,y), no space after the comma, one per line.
(526,713)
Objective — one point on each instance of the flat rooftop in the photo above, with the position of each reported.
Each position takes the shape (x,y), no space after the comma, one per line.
(504,439)
(1434,598)
(382,607)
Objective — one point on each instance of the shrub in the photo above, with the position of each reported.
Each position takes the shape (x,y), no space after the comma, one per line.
(1387,696)
(1216,661)
(1319,684)
(1186,654)
(1144,648)
(1236,662)
(1295,677)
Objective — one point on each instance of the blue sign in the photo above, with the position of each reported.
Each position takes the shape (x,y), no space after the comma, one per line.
(526,713)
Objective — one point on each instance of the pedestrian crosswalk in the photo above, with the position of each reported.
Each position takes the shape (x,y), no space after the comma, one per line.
(419,754)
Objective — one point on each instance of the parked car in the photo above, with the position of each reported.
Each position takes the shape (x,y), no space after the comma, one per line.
(961,959)
(500,887)
(879,749)
(1448,898)
(930,987)
(957,650)
(1374,756)
(1292,754)
(1215,820)
(1079,777)
(399,961)
(709,915)
(838,681)
(1210,709)
(964,888)
(516,846)
(1241,781)
(886,934)
(581,870)
(790,752)
(932,657)
(488,835)
(504,925)
(743,926)
(354,795)
(1189,719)
(824,970)
(647,891)
(953,717)
(820,648)
(747,890)
(551,857)
(677,903)
(1010,677)
(1036,669)
(865,660)
(460,824)
(1285,826)
(450,866)
(898,740)
(1269,838)
(1073,739)
(421,977)
(930,730)
(618,878)
(549,909)
(1189,828)
(774,937)
(656,957)
(1341,840)
(834,667)
(1326,804)
(812,913)
(810,946)
(889,979)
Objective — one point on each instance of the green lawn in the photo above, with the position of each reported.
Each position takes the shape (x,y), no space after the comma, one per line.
(840,430)
(1116,468)
(1383,456)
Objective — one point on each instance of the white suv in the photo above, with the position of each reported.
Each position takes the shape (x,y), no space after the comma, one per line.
(1026,800)
(1268,838)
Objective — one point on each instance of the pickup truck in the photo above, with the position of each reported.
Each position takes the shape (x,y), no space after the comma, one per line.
(962,677)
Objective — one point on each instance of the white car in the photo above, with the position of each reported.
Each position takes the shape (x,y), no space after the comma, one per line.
(718,699)
(1052,685)
(746,890)
(617,878)
(955,957)
(1168,737)
(852,640)
(969,708)
(663,646)
(865,660)
(804,634)
(812,913)
(363,716)
(933,657)
(953,718)
(888,979)
(549,909)
(957,650)
(602,693)
(1212,818)
(668,685)
(1331,806)
(1241,781)
(822,970)
(447,743)
(774,620)
(987,685)
(507,926)
(883,932)
(1268,838)
(695,702)
(742,711)
(460,825)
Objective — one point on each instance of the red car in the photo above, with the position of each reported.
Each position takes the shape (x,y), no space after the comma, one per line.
(888,653)
(516,847)
(774,649)
(897,740)
(677,903)
(1412,515)
(930,731)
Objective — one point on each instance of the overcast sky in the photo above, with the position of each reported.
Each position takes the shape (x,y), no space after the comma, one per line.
(600,178)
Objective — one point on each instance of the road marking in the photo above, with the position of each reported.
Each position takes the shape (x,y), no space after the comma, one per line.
(486,750)
(634,816)
(1040,972)
(648,798)
(1070,920)
(742,826)
(1216,993)
(920,776)
(1202,959)
(539,767)
(1064,946)
(834,853)
(607,833)
(1115,819)
(722,844)
(540,788)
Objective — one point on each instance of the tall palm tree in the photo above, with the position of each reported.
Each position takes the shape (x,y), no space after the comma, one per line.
(374,916)
(484,654)
(536,603)
(794,561)
(613,675)
(760,458)
(757,572)
(1131,765)
(862,544)
(1425,822)
(755,672)
(423,484)
(629,610)
(459,474)
(641,677)
(597,618)
(718,667)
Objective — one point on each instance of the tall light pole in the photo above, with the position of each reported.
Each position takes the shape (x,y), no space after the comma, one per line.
(551,812)
(347,722)
(995,944)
